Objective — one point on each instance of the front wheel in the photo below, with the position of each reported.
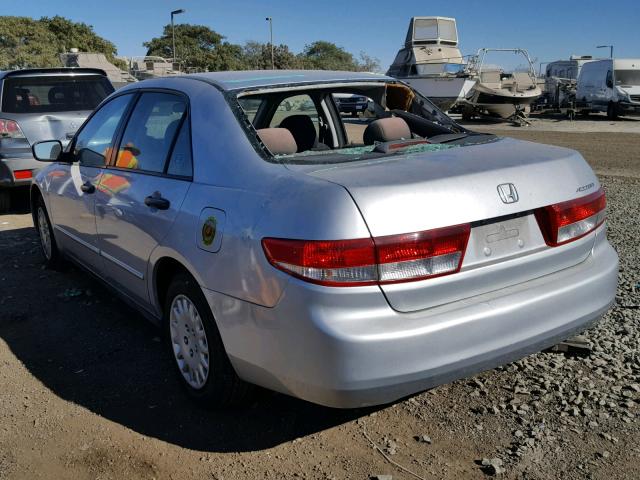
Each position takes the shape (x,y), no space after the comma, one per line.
(48,245)
(612,111)
(202,363)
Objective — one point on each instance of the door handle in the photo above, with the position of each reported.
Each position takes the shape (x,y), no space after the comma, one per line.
(156,201)
(88,187)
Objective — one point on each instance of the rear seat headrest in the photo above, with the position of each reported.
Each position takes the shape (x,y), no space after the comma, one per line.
(386,130)
(279,141)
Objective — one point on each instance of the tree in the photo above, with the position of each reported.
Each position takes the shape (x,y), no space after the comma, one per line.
(197,47)
(257,56)
(368,64)
(25,42)
(79,35)
(323,55)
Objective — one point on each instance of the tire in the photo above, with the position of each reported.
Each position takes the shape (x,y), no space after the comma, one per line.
(5,200)
(612,111)
(48,246)
(189,336)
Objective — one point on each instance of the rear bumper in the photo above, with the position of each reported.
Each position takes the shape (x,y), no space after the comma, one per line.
(347,348)
(8,165)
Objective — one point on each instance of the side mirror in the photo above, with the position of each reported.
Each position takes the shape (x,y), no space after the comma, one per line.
(609,83)
(47,151)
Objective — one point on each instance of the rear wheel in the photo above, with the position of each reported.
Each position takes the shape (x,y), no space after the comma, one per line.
(201,361)
(48,245)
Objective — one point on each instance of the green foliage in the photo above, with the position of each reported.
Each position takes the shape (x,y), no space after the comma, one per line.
(257,56)
(197,48)
(30,43)
(25,42)
(323,55)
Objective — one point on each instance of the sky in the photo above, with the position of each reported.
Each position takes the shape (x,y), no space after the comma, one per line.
(549,30)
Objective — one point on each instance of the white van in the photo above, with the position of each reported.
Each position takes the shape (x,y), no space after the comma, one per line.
(611,85)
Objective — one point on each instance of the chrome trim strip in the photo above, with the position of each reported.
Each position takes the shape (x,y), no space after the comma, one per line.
(121,264)
(77,239)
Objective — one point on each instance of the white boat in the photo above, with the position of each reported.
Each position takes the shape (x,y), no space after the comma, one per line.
(431,62)
(501,93)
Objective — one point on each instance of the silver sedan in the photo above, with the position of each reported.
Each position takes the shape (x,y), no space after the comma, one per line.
(348,262)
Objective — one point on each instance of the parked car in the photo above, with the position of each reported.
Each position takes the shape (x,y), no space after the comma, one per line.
(611,86)
(37,105)
(281,255)
(351,103)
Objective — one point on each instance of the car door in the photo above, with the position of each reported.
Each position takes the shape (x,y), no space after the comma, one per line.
(72,185)
(142,189)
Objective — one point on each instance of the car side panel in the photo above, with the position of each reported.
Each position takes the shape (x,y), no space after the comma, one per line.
(72,210)
(128,230)
(297,207)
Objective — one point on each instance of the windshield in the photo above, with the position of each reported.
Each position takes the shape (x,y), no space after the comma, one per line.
(628,77)
(59,93)
(332,124)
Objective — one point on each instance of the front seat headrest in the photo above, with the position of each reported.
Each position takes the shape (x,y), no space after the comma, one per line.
(303,131)
(386,130)
(279,141)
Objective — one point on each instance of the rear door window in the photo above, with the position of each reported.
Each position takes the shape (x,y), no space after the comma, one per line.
(150,131)
(180,163)
(54,93)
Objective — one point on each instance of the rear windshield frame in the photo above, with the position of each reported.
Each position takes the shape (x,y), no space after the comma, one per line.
(91,97)
(233,96)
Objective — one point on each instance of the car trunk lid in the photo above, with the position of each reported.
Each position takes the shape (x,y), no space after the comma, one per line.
(493,186)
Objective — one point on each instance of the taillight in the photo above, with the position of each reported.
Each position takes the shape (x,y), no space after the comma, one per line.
(567,221)
(420,255)
(367,261)
(10,129)
(338,262)
(22,174)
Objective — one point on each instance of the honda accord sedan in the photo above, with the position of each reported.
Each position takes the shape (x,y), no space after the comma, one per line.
(344,264)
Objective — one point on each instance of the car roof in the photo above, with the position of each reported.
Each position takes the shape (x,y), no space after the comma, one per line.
(36,72)
(239,80)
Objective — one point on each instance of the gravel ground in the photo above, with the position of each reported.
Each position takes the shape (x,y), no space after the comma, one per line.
(86,389)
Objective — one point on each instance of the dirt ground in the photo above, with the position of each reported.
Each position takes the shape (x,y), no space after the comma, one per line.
(87,392)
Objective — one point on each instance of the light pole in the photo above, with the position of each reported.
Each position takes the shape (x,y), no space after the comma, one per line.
(173,32)
(270,20)
(610,47)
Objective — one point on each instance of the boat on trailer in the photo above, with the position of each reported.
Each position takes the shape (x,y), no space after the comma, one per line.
(500,93)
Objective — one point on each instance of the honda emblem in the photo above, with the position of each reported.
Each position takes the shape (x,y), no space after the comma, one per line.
(508,192)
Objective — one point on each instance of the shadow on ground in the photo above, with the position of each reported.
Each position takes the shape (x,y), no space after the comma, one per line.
(19,202)
(91,349)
